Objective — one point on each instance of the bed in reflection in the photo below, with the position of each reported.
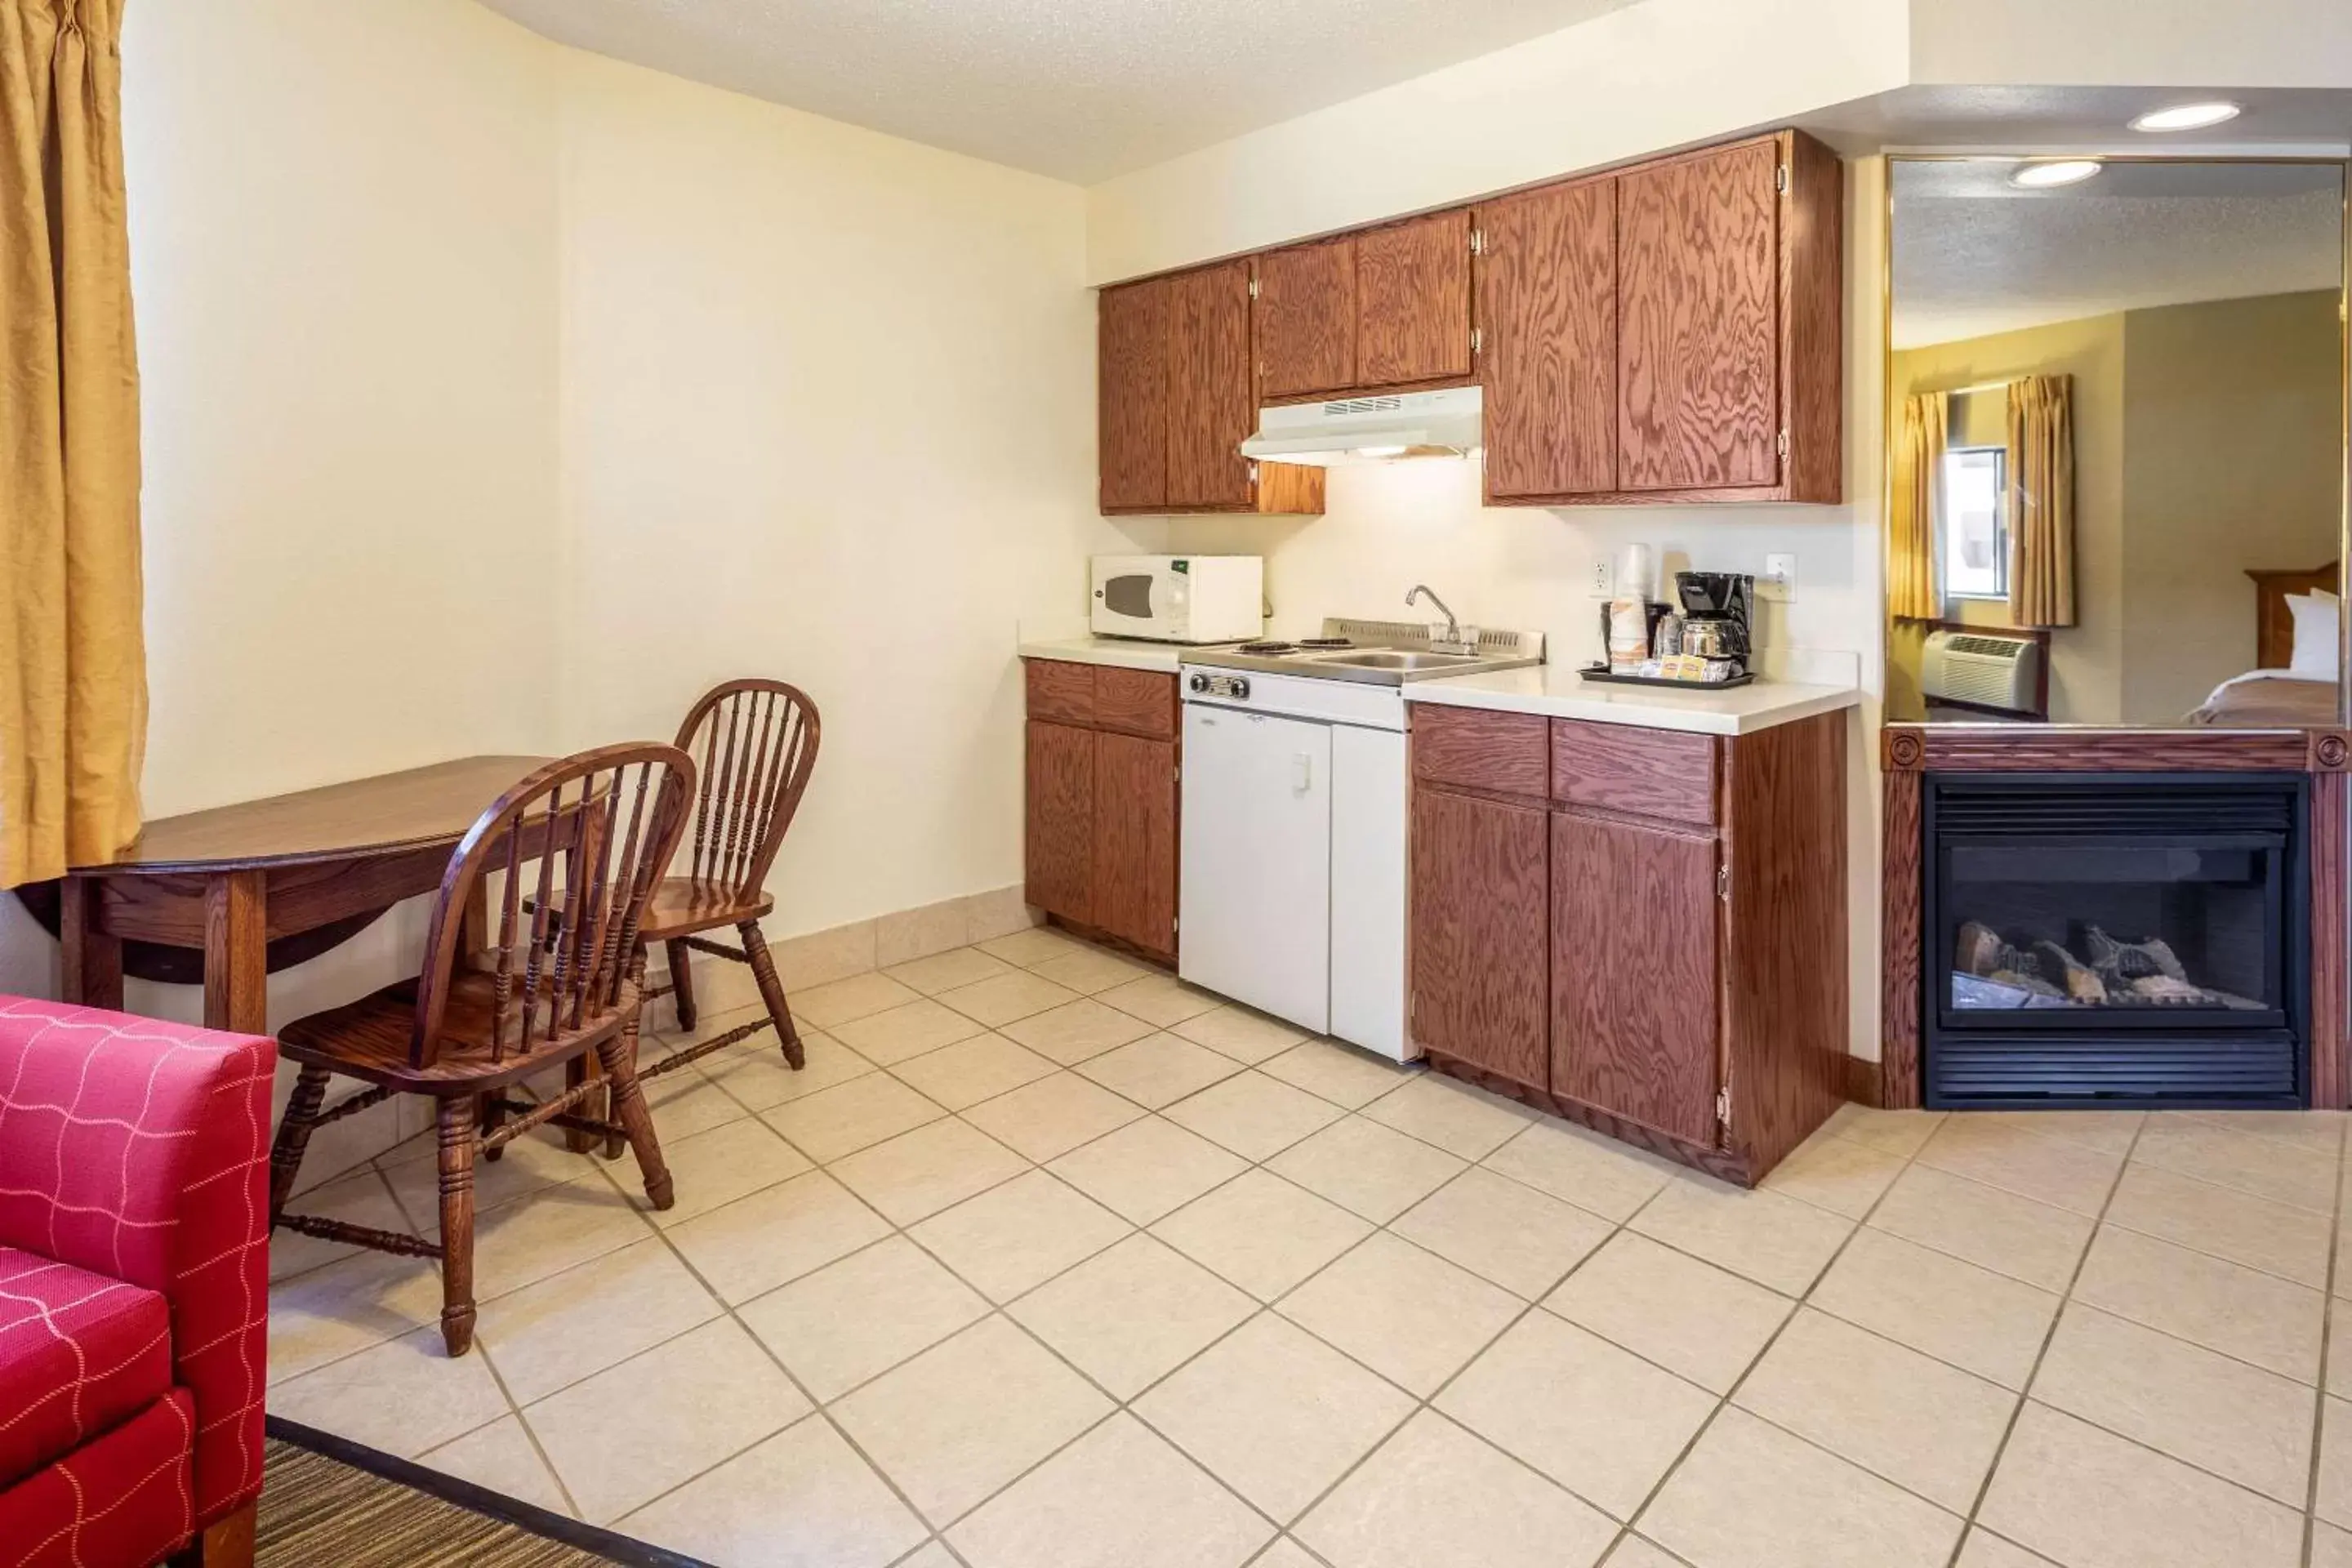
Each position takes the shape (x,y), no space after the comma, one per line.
(2297,636)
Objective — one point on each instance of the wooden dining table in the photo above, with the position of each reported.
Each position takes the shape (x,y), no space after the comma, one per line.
(265,883)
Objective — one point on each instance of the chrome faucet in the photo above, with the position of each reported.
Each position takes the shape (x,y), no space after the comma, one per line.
(1455,640)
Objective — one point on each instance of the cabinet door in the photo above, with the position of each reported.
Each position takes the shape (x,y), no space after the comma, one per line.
(1305,319)
(1131,384)
(1698,321)
(1634,977)
(1478,947)
(1412,300)
(1061,820)
(1547,312)
(1135,840)
(1210,408)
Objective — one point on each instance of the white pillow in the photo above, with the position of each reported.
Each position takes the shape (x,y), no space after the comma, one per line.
(2316,615)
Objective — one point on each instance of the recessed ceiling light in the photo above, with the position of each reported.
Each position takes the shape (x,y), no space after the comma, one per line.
(2041,176)
(2186,117)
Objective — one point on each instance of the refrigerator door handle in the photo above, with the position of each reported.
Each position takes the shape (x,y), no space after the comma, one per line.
(1302,773)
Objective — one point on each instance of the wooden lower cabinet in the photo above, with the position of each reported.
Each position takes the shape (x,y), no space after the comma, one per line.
(1479,916)
(1061,819)
(1135,840)
(1102,806)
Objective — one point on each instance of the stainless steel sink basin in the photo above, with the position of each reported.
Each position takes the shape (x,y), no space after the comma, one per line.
(1388,659)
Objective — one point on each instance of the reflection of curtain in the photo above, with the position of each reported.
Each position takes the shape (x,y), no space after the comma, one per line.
(1911,521)
(73,679)
(2042,501)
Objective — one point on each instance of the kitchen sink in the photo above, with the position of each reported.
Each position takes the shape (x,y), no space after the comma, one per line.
(1387,660)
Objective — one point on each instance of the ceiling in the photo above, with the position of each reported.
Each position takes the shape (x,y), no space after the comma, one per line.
(1974,255)
(1079,89)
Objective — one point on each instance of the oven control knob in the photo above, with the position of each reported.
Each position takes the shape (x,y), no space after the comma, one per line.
(1240,688)
(1200,683)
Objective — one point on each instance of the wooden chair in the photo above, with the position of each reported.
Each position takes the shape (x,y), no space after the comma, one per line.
(557,977)
(756,741)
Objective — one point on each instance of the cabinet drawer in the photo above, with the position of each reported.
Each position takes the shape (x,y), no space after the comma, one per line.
(1618,767)
(1474,749)
(1061,692)
(1135,703)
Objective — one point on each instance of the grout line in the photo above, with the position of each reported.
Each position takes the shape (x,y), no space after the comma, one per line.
(2327,1348)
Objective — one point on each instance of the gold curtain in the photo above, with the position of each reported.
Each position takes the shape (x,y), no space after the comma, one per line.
(2042,501)
(73,670)
(1911,591)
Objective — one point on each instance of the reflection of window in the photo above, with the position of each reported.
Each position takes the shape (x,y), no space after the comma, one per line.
(1975,523)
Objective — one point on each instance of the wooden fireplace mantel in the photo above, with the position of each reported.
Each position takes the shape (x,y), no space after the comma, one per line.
(1909,751)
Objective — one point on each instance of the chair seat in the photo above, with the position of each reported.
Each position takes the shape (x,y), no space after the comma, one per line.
(681,906)
(369,1040)
(78,1353)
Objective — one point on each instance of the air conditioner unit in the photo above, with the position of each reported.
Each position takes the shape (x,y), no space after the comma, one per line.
(1981,669)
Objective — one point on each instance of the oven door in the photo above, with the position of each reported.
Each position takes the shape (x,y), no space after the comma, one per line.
(1140,598)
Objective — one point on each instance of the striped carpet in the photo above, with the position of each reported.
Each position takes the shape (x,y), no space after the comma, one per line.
(317,1511)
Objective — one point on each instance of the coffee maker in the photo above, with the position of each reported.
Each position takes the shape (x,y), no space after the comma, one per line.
(1717,608)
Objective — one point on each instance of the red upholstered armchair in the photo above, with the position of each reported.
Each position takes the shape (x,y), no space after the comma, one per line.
(134,1287)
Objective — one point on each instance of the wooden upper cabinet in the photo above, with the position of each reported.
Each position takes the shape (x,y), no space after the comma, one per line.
(1547,320)
(1305,319)
(1209,409)
(1131,346)
(1412,300)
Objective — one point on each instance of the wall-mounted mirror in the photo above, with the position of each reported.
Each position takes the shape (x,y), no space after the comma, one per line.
(2116,442)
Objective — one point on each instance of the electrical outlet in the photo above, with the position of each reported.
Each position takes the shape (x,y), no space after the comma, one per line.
(1604,579)
(1778,585)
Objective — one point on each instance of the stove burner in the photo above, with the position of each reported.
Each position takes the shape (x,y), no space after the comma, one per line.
(1267,647)
(1326,642)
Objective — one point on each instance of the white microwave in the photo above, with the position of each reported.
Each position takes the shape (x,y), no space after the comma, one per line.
(1180,598)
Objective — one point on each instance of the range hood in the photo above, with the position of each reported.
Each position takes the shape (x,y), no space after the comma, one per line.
(1444,424)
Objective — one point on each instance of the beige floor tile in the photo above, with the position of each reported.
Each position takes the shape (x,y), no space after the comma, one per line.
(1985,1550)
(347,1306)
(858,1318)
(1239,1032)
(1133,1314)
(2266,1167)
(1375,1171)
(1844,1176)
(572,1325)
(1460,1120)
(1635,1552)
(733,999)
(1409,1315)
(1120,1495)
(958,1421)
(1599,1420)
(801,1498)
(852,1116)
(502,1457)
(1253,1115)
(2223,1306)
(1147,1169)
(894,1033)
(906,935)
(717,1167)
(1598,1174)
(532,1163)
(1929,1428)
(1014,1238)
(1776,1241)
(917,1174)
(404,1396)
(762,1079)
(2029,1163)
(1047,1118)
(2091,1500)
(1262,1233)
(1896,1131)
(1751,1495)
(1275,1412)
(1286,1554)
(2314,1132)
(973,1070)
(1075,1031)
(750,1248)
(627,1434)
(2038,1243)
(1159,1000)
(816,958)
(1984,1322)
(2330,1547)
(2333,1498)
(2277,1239)
(1689,1317)
(1159,1070)
(360,1198)
(1034,945)
(1007,997)
(685,1102)
(549,1232)
(1521,1239)
(946,971)
(2237,1421)
(1435,1497)
(934,1555)
(2339,1335)
(1090,973)
(859,996)
(2109,1131)
(1341,1074)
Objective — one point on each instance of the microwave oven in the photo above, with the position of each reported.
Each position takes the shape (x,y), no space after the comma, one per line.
(1180,598)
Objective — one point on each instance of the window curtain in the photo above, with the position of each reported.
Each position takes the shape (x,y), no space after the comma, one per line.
(73,673)
(2042,501)
(1911,590)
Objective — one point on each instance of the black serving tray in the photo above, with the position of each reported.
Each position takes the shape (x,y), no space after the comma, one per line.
(1602,673)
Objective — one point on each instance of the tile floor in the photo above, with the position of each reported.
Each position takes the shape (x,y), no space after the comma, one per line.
(1047,1260)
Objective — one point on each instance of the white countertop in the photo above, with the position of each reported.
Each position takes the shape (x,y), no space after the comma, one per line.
(1123,653)
(1555,692)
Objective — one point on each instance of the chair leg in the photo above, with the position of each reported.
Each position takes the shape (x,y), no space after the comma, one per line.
(681,981)
(575,1073)
(294,1136)
(456,1124)
(615,1142)
(226,1543)
(492,1114)
(772,990)
(636,1120)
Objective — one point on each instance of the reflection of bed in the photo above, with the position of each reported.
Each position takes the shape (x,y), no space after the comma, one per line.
(2272,696)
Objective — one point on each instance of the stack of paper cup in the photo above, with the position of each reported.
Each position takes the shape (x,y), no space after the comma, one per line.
(1637,578)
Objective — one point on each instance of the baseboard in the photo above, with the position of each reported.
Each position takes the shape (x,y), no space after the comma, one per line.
(1863,1084)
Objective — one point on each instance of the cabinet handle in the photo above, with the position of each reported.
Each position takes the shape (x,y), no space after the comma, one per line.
(1302,773)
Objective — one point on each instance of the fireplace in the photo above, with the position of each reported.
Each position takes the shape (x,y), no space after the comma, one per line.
(2113,939)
